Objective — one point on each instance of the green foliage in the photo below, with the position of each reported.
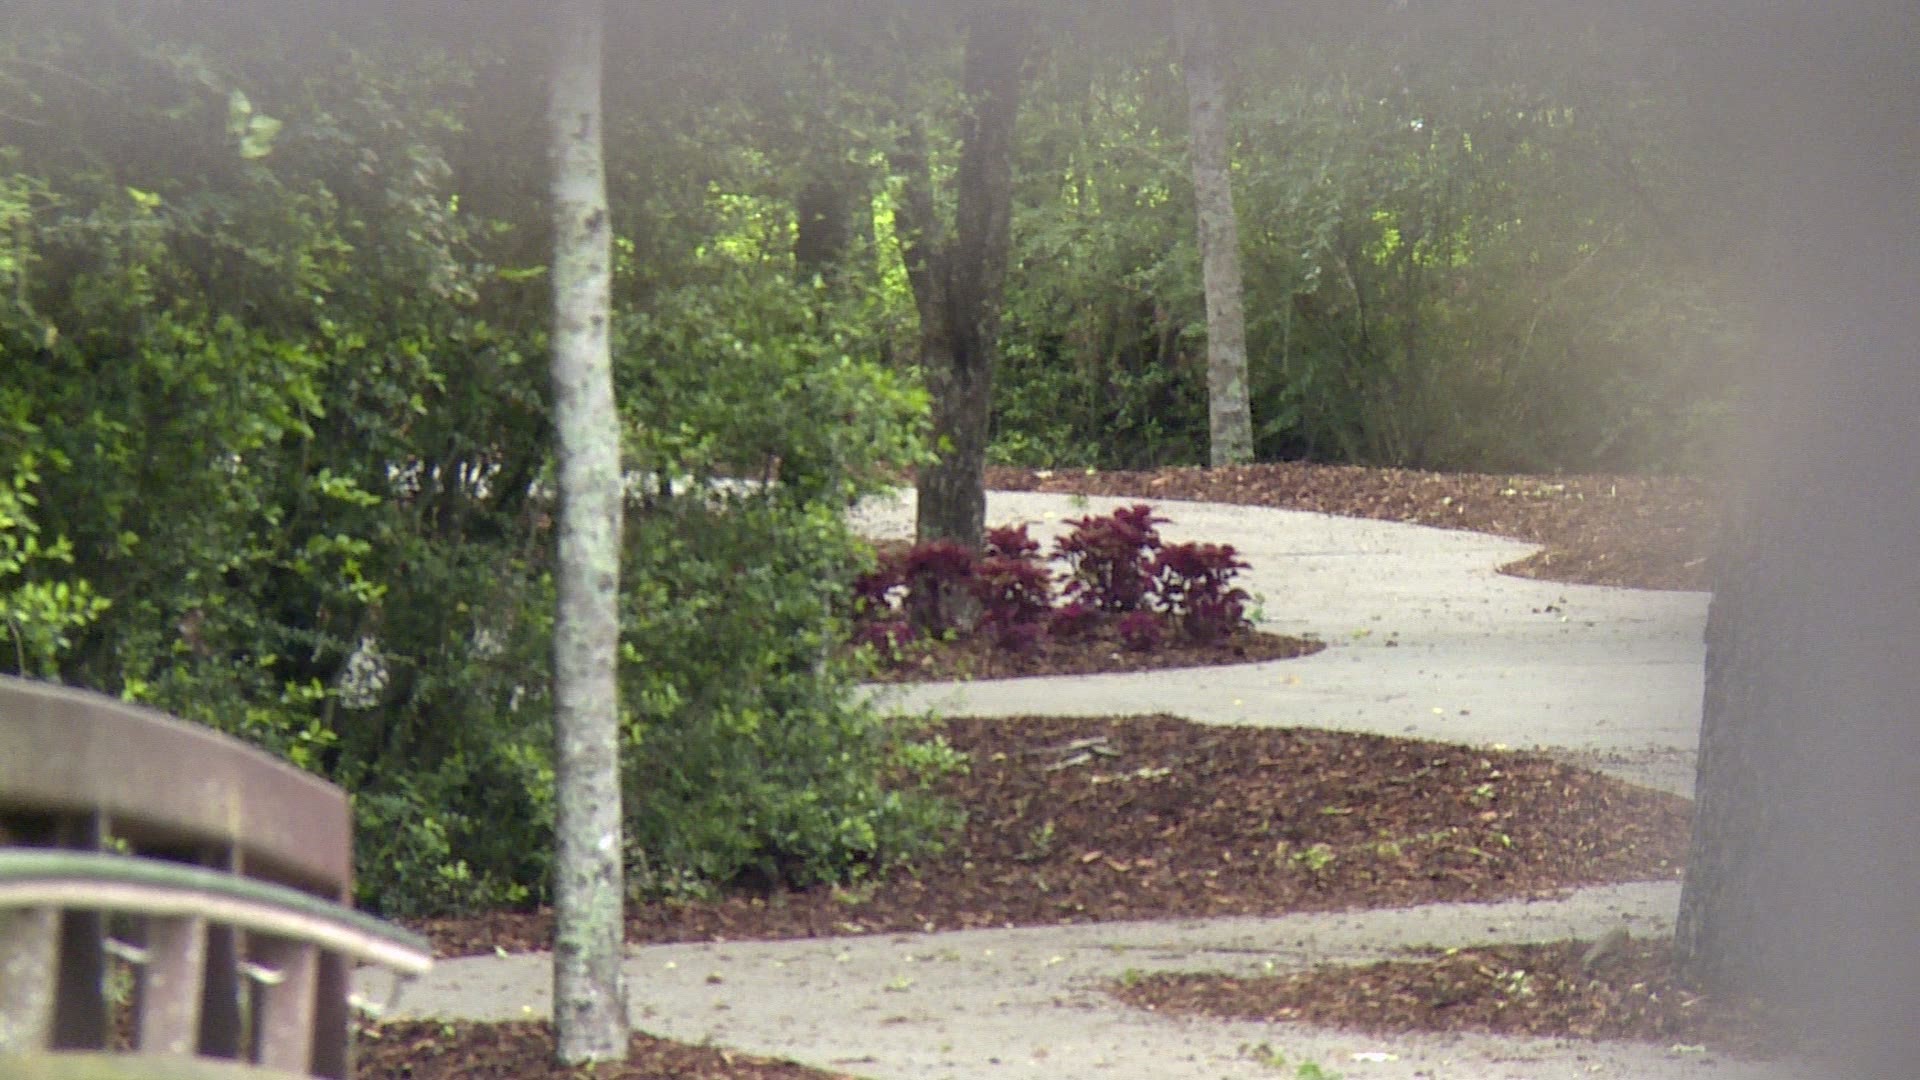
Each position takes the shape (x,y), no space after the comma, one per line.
(277,323)
(39,616)
(1100,362)
(749,756)
(1459,253)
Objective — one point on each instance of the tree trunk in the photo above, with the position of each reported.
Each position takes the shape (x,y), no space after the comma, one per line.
(824,227)
(1803,884)
(1230,418)
(589,1001)
(958,280)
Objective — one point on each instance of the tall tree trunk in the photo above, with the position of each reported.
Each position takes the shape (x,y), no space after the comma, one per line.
(1230,418)
(958,280)
(589,1001)
(1803,883)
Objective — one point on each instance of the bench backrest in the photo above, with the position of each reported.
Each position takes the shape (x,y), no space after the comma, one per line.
(231,873)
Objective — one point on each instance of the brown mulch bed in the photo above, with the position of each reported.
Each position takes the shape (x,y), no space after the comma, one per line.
(1099,652)
(1091,820)
(1648,532)
(431,1050)
(1547,990)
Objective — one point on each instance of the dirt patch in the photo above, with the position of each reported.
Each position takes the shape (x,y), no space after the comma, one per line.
(1101,819)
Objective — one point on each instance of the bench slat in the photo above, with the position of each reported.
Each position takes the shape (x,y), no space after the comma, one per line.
(40,878)
(170,985)
(284,1009)
(29,971)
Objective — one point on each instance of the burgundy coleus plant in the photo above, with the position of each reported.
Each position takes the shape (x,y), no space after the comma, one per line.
(1194,583)
(1109,558)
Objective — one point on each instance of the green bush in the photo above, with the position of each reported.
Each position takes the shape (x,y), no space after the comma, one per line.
(747,755)
(278,391)
(1457,254)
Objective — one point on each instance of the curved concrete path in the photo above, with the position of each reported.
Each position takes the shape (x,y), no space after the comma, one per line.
(1425,639)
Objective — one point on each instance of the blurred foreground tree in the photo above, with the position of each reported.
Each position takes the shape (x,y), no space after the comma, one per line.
(1803,883)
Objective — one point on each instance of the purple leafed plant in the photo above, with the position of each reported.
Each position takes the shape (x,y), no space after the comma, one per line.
(1139,630)
(886,637)
(1012,542)
(1193,582)
(1012,591)
(1120,574)
(1019,638)
(1073,620)
(1109,558)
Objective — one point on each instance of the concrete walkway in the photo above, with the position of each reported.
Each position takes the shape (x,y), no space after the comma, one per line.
(1425,639)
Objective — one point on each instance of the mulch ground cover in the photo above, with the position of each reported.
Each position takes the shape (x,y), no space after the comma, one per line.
(1101,650)
(1086,820)
(1564,989)
(431,1050)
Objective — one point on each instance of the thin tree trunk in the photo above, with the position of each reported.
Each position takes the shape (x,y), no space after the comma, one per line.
(1230,417)
(589,1001)
(959,281)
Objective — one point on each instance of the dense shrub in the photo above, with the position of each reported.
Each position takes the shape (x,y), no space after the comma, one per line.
(275,456)
(748,755)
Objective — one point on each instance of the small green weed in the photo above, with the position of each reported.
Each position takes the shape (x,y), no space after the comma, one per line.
(1314,859)
(1040,840)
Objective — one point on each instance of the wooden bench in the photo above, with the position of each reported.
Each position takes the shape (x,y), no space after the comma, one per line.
(218,874)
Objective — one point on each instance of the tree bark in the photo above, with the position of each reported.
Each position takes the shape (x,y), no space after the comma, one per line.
(1230,417)
(959,279)
(589,1001)
(1803,883)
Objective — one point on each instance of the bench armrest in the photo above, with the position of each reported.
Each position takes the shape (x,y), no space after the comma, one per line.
(91,881)
(92,1066)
